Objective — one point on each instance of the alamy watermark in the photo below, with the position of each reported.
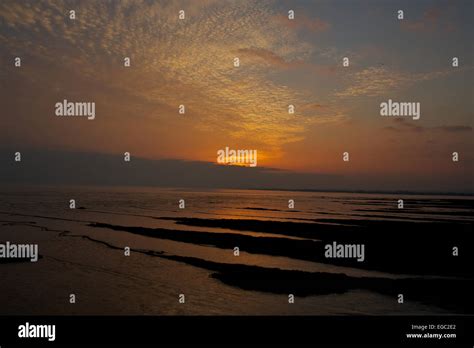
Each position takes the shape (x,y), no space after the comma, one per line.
(242,157)
(393,108)
(345,251)
(19,251)
(28,330)
(66,108)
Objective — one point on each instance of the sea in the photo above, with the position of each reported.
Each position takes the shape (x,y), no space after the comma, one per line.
(175,251)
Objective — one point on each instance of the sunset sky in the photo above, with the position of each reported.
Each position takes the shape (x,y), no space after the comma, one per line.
(282,62)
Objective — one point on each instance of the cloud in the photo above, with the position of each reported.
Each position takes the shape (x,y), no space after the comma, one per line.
(402,125)
(434,18)
(173,62)
(89,168)
(454,129)
(427,22)
(373,81)
(265,57)
(302,22)
(84,168)
(268,57)
(376,81)
(313,106)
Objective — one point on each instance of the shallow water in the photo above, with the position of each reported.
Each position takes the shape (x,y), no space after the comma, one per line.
(107,282)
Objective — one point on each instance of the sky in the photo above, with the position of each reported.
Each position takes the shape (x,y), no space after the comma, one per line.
(299,62)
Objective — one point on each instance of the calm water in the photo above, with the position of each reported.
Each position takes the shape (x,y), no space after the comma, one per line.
(107,282)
